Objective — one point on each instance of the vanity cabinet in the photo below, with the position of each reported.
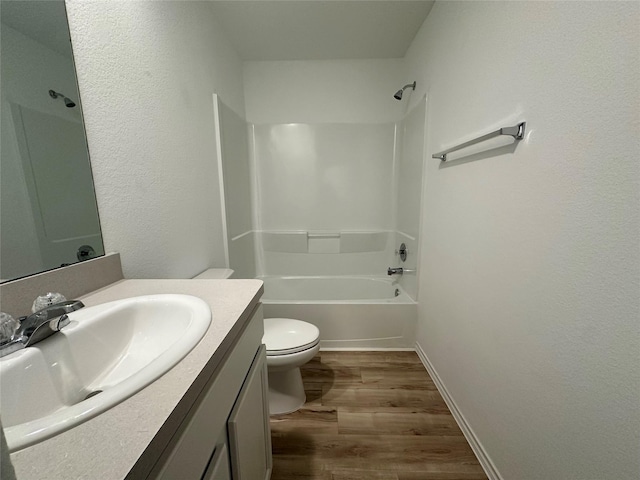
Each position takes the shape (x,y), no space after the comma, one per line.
(226,434)
(248,425)
(219,467)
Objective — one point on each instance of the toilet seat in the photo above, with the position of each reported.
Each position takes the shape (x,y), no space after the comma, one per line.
(276,353)
(285,336)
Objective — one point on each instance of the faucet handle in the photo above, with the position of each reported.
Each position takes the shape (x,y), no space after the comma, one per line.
(402,251)
(8,327)
(47,300)
(61,308)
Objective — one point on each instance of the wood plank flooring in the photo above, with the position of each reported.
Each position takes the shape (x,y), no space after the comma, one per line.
(370,416)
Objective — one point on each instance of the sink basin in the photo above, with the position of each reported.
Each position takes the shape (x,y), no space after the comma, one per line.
(105,355)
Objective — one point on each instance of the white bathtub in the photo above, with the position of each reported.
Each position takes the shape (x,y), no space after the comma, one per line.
(351,312)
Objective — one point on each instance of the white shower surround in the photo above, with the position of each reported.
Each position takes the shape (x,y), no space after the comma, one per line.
(325,189)
(352,312)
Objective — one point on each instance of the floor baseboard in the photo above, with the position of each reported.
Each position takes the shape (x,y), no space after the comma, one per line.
(367,349)
(476,446)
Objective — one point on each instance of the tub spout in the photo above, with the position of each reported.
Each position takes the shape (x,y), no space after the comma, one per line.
(394,271)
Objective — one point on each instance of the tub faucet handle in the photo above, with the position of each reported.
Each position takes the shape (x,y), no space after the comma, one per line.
(394,271)
(402,251)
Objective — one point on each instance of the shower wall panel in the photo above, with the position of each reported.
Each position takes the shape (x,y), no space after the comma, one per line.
(410,159)
(325,177)
(237,180)
(325,182)
(278,259)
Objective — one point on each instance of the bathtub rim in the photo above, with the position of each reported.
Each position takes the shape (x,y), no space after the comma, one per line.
(403,299)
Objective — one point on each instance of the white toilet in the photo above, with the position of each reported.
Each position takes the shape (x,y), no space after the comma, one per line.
(290,344)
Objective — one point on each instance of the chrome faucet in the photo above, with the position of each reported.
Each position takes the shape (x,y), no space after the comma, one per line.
(395,271)
(40,325)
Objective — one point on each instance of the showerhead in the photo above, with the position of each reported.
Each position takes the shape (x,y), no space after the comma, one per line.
(67,101)
(398,94)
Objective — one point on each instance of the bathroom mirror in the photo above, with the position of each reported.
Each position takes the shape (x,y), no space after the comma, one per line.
(48,212)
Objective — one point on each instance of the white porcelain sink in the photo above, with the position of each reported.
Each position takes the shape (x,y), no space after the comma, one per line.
(115,349)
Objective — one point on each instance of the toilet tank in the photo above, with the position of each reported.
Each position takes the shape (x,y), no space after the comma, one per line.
(215,273)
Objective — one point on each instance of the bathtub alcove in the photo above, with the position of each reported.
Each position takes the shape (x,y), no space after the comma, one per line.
(318,212)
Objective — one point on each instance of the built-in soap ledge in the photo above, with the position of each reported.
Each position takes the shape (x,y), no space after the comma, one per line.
(285,242)
(325,242)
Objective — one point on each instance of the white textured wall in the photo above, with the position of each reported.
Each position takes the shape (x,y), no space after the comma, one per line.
(329,91)
(529,294)
(146,72)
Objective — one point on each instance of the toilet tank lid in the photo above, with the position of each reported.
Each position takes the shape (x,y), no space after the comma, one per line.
(288,333)
(214,273)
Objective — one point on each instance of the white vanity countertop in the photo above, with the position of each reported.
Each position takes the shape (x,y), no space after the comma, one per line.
(109,445)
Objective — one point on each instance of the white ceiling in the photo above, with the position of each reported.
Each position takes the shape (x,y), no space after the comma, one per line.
(320,29)
(44,21)
(269,29)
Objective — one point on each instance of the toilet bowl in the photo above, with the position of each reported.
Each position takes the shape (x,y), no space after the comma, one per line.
(290,344)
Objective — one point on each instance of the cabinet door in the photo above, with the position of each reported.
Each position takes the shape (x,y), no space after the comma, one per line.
(218,468)
(249,432)
(189,452)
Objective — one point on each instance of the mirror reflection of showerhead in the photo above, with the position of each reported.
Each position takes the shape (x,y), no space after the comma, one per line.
(67,101)
(398,94)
